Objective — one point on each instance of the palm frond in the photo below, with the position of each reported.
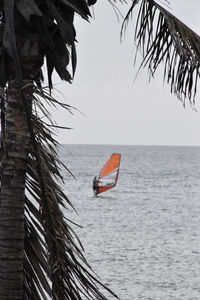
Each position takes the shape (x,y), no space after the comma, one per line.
(36,270)
(2,122)
(50,238)
(162,38)
(41,29)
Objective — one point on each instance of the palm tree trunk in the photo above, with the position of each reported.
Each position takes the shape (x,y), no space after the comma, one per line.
(14,164)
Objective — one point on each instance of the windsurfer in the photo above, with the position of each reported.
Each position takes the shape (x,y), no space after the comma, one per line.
(95,185)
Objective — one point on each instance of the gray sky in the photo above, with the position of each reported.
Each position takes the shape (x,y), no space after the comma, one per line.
(116,109)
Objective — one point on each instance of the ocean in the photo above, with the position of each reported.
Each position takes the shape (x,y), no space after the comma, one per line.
(142,238)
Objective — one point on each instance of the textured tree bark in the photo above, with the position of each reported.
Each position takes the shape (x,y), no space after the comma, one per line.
(14,164)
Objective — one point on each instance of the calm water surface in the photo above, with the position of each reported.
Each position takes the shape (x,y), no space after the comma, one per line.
(143,237)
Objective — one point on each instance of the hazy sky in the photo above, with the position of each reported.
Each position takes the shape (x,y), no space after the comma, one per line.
(115,108)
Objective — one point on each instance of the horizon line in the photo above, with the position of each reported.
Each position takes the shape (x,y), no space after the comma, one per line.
(137,145)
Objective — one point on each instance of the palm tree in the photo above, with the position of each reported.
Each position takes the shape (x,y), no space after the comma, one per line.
(40,254)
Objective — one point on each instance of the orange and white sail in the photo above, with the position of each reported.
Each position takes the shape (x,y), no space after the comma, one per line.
(108,176)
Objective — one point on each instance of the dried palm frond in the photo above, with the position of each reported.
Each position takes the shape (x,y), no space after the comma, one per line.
(2,122)
(161,37)
(36,269)
(53,250)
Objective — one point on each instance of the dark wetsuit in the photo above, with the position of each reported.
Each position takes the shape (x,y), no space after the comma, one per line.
(95,186)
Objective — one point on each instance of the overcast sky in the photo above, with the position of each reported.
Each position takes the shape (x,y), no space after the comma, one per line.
(115,108)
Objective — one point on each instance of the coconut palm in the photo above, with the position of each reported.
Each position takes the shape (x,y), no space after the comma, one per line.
(40,255)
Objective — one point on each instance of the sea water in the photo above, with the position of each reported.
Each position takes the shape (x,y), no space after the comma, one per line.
(142,238)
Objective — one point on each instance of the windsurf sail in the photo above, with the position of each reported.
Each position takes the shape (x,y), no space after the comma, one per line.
(108,176)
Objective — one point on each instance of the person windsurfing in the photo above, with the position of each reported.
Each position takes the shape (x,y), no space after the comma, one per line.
(95,185)
(108,176)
